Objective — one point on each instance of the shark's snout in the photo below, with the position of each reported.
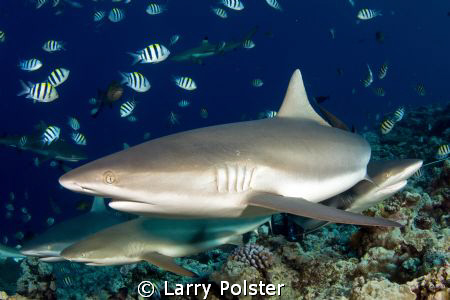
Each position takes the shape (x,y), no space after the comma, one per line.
(69,182)
(74,182)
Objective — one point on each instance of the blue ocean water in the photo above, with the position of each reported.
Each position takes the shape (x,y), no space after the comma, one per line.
(416,46)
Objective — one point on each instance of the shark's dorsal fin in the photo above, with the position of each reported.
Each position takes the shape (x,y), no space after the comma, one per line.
(296,103)
(98,204)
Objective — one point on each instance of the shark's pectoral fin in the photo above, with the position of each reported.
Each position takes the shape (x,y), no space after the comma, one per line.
(167,263)
(302,207)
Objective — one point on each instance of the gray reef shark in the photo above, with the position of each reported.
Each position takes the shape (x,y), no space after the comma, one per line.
(7,252)
(58,150)
(207,49)
(288,163)
(158,241)
(388,177)
(49,244)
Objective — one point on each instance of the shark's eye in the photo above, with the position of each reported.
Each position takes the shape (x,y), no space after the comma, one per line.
(109,177)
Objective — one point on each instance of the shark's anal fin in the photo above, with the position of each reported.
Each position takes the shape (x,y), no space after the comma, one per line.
(296,103)
(302,207)
(167,263)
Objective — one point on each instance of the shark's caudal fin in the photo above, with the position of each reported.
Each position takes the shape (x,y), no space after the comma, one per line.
(302,207)
(98,204)
(167,263)
(296,103)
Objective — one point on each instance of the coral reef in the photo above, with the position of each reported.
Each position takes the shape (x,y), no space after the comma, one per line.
(435,285)
(37,280)
(253,255)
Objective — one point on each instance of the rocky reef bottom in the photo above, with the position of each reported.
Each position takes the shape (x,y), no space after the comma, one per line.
(335,262)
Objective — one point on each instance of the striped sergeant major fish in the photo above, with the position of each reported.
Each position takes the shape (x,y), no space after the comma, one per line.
(136,81)
(2,36)
(186,83)
(116,15)
(127,108)
(39,92)
(99,15)
(53,46)
(184,103)
(369,79)
(420,89)
(248,44)
(155,9)
(51,134)
(233,4)
(383,70)
(30,65)
(274,4)
(386,126)
(58,76)
(40,3)
(367,14)
(79,138)
(220,12)
(152,54)
(398,114)
(443,151)
(257,82)
(379,91)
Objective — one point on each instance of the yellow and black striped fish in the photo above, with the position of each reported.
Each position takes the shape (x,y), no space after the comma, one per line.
(58,76)
(186,83)
(53,46)
(127,108)
(369,79)
(136,81)
(443,151)
(367,14)
(379,91)
(155,9)
(116,15)
(51,134)
(41,92)
(233,4)
(79,138)
(420,89)
(220,12)
(383,70)
(152,54)
(99,15)
(386,126)
(398,114)
(67,281)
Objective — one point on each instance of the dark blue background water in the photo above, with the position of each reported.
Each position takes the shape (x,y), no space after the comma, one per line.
(416,46)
